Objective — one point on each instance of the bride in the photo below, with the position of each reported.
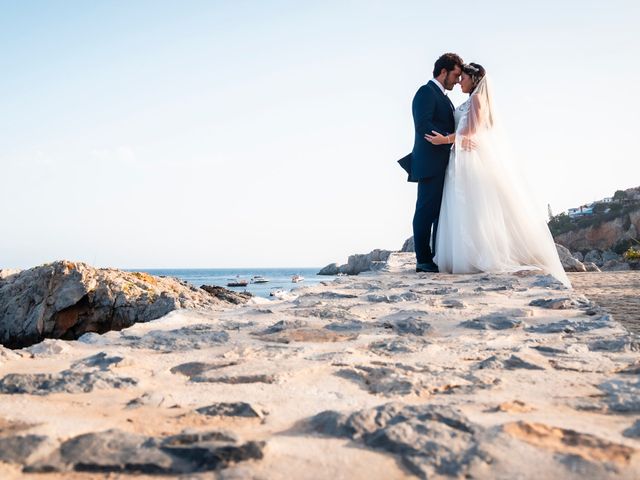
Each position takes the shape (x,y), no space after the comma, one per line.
(487,223)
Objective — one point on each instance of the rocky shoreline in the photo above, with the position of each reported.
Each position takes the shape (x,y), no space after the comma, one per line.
(67,299)
(389,374)
(592,261)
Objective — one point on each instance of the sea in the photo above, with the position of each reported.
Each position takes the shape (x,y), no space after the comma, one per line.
(279,278)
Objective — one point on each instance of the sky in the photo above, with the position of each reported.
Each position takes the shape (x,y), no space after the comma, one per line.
(204,134)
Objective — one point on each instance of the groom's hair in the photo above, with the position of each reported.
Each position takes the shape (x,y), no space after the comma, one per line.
(448,61)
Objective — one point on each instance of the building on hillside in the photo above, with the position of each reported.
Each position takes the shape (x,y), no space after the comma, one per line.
(581,211)
(630,195)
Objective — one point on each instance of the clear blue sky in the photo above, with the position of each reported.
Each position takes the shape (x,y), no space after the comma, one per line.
(219,134)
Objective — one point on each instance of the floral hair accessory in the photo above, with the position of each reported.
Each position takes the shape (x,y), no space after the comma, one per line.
(471,68)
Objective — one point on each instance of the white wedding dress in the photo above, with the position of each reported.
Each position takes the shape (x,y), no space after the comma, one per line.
(487,222)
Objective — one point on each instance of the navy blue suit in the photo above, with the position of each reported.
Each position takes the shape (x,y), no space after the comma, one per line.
(427,163)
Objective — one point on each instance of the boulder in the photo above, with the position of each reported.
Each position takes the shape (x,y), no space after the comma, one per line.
(358,263)
(591,267)
(364,262)
(331,269)
(608,255)
(408,245)
(615,266)
(227,295)
(569,263)
(578,256)
(593,256)
(65,300)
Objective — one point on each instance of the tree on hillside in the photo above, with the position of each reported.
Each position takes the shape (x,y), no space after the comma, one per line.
(600,208)
(620,196)
(560,223)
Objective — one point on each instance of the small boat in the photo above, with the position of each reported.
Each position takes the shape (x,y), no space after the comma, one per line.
(297,279)
(278,292)
(259,279)
(238,282)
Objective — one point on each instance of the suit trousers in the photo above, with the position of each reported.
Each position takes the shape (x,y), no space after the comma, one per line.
(425,219)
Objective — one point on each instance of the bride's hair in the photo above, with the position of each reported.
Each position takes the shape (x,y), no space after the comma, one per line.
(475,71)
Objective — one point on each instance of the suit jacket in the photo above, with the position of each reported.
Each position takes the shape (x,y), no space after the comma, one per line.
(432,110)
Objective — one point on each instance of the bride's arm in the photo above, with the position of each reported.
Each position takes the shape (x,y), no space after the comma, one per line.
(467,143)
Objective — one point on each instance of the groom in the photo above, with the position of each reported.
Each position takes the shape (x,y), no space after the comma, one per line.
(426,164)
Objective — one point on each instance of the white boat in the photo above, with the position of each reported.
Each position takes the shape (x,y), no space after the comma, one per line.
(259,279)
(297,279)
(278,292)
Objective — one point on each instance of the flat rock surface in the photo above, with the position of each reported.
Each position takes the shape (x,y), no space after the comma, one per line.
(387,375)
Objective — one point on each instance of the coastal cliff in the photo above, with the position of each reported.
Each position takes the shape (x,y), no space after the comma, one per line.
(615,234)
(603,231)
(388,374)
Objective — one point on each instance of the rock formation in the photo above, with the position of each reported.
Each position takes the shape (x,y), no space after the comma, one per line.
(603,236)
(568,261)
(66,299)
(358,263)
(226,295)
(408,245)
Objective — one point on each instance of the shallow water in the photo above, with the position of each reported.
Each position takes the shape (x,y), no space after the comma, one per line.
(279,278)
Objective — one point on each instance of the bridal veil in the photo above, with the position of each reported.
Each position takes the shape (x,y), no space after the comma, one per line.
(488,222)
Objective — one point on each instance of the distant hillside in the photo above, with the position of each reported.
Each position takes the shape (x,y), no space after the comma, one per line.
(611,224)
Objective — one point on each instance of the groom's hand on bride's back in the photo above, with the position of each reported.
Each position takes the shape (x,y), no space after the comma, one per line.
(436,138)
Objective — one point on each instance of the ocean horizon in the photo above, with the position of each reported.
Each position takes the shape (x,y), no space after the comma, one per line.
(278,278)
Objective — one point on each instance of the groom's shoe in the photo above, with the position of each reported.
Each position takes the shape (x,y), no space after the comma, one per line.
(427,267)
